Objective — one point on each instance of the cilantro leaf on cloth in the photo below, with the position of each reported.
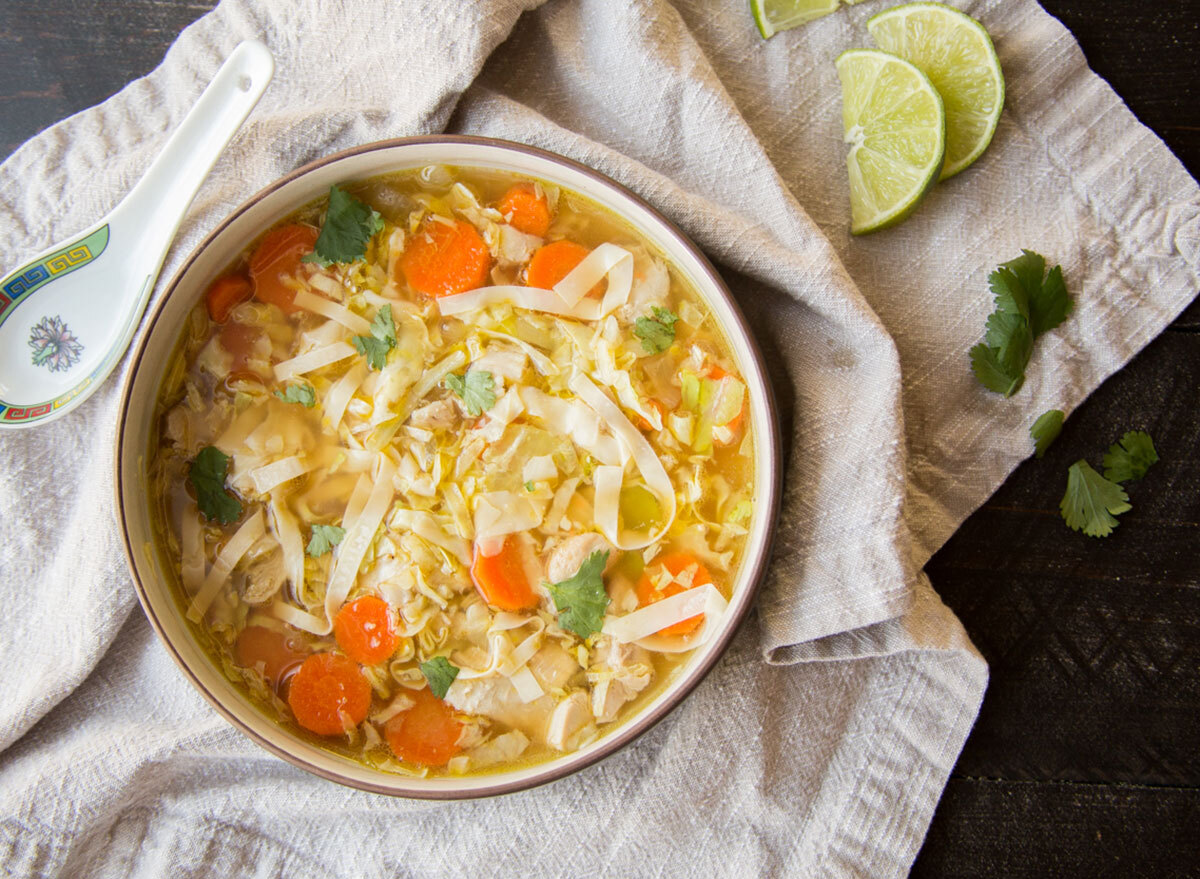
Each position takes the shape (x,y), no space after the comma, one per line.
(1028,303)
(324,538)
(349,225)
(376,346)
(581,600)
(657,332)
(475,388)
(302,394)
(1092,502)
(1046,430)
(207,475)
(1130,458)
(440,673)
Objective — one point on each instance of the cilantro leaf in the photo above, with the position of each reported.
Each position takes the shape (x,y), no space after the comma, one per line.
(302,394)
(349,225)
(657,332)
(992,374)
(440,674)
(1027,305)
(1130,458)
(207,475)
(582,600)
(1091,502)
(376,346)
(324,538)
(475,388)
(1046,430)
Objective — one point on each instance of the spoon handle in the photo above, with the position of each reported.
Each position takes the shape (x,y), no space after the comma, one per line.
(156,205)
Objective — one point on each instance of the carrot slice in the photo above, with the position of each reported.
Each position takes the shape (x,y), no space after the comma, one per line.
(552,262)
(442,259)
(225,293)
(277,255)
(329,692)
(364,630)
(239,340)
(674,562)
(501,579)
(279,654)
(427,733)
(526,209)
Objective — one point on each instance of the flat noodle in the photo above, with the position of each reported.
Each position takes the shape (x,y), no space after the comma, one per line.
(358,538)
(356,324)
(191,544)
(606,260)
(653,618)
(227,560)
(270,475)
(287,532)
(313,360)
(647,462)
(341,392)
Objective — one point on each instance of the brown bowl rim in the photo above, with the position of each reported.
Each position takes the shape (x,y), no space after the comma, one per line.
(636,726)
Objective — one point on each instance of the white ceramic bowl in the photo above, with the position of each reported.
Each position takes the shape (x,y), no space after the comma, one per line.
(156,585)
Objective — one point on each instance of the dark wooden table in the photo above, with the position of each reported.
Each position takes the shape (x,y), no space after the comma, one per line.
(1085,760)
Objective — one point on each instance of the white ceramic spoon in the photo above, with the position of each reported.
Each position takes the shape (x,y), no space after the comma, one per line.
(67,316)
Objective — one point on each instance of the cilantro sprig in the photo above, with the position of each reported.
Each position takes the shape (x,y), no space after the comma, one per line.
(440,674)
(302,394)
(476,388)
(581,600)
(1092,502)
(376,346)
(323,539)
(1046,430)
(207,475)
(349,225)
(656,332)
(1029,302)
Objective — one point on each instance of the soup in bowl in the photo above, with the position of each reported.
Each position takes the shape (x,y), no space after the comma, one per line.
(447,467)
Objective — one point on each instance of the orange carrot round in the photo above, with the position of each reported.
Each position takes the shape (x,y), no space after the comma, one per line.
(278,653)
(239,340)
(526,209)
(364,630)
(501,578)
(427,733)
(279,254)
(674,562)
(442,259)
(329,692)
(225,293)
(553,262)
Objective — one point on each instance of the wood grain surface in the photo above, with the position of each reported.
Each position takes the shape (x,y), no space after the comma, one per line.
(1085,760)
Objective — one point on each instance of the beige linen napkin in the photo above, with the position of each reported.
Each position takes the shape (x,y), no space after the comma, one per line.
(821,742)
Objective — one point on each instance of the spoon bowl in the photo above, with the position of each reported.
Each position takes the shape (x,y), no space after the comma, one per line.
(68,315)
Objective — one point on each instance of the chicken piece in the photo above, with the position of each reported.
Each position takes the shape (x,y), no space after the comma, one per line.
(497,698)
(571,720)
(439,415)
(265,574)
(504,748)
(553,666)
(651,287)
(619,672)
(564,560)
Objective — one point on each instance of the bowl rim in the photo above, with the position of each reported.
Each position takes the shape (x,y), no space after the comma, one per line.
(754,571)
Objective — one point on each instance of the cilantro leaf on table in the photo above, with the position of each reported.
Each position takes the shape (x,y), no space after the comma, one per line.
(376,346)
(324,538)
(475,388)
(1092,502)
(1130,458)
(349,225)
(1046,430)
(440,674)
(207,475)
(657,332)
(302,394)
(1029,302)
(581,600)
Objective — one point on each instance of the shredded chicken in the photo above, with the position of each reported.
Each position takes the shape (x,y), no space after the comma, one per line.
(570,718)
(620,672)
(564,560)
(439,415)
(553,666)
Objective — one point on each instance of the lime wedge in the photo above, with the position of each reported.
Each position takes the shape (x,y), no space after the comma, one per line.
(896,127)
(957,54)
(773,16)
